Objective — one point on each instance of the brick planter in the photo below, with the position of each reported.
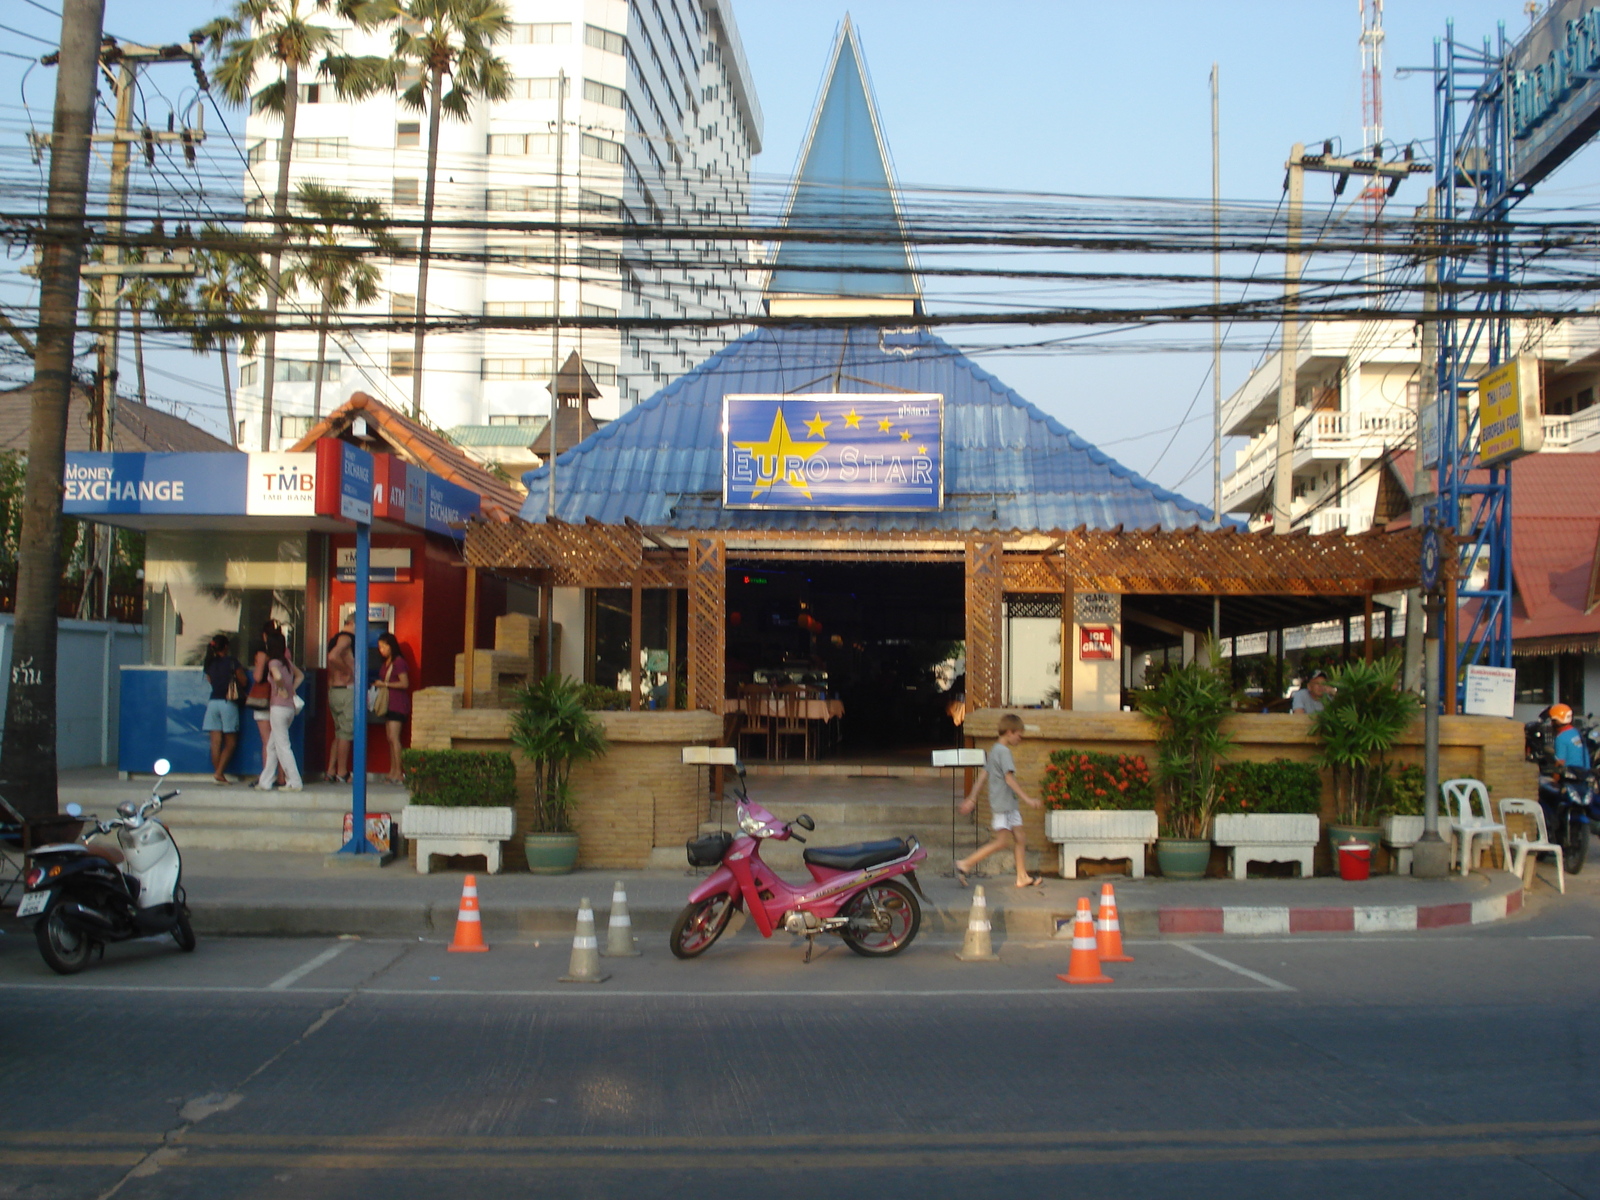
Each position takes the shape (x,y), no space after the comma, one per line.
(1101,835)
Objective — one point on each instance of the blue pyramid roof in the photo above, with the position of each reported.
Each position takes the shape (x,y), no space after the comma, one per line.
(844,182)
(1008,465)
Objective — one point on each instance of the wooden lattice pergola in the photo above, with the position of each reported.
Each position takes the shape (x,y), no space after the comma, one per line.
(1061,563)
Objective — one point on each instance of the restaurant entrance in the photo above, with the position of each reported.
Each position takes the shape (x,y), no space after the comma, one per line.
(884,640)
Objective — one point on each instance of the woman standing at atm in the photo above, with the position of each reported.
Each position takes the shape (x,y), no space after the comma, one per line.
(395,679)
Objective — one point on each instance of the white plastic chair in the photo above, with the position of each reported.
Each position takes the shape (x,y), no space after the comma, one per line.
(1521,847)
(1466,824)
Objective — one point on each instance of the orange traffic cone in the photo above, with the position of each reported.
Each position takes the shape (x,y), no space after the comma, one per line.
(1084,966)
(469,925)
(1107,932)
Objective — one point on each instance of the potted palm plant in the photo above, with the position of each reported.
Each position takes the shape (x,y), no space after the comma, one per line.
(1402,811)
(1359,724)
(553,731)
(1189,703)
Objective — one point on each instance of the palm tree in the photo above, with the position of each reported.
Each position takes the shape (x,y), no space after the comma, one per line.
(280,39)
(439,40)
(331,263)
(227,289)
(140,294)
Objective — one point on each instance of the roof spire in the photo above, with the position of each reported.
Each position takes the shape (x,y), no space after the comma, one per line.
(844,182)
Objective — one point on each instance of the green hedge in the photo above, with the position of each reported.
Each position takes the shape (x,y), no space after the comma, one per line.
(1084,779)
(1402,792)
(460,778)
(597,698)
(1279,786)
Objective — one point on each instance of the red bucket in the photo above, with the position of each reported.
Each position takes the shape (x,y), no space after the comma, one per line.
(1355,860)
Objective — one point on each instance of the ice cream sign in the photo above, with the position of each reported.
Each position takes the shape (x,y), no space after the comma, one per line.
(853,450)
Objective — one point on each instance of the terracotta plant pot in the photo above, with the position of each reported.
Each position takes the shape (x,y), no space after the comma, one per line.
(551,853)
(1183,858)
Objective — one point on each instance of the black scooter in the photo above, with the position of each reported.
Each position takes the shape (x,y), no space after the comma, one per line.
(1569,796)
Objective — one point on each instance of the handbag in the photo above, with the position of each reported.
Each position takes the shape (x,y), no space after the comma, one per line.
(378,701)
(260,695)
(232,695)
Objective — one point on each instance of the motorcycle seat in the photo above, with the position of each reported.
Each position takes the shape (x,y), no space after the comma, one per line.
(110,853)
(857,857)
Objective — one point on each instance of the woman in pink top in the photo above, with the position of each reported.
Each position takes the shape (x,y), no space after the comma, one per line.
(283,679)
(395,679)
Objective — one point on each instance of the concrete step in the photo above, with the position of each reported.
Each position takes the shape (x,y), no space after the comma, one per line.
(252,818)
(262,840)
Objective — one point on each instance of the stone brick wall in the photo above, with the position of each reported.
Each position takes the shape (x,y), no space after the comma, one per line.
(1486,748)
(638,796)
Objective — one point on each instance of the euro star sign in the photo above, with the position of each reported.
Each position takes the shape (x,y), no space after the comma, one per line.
(786,455)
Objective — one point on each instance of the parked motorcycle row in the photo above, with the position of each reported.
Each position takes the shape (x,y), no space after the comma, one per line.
(1569,795)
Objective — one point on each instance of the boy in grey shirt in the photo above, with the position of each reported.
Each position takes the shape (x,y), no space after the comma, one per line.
(1000,772)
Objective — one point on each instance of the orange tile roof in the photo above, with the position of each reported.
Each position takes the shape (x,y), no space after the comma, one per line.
(420,446)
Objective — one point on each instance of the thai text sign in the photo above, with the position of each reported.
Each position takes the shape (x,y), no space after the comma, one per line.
(867,451)
(1553,96)
(1510,421)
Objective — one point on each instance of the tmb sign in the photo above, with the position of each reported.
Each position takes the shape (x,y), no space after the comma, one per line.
(865,451)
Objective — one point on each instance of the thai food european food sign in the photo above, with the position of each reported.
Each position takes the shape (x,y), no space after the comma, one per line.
(852,450)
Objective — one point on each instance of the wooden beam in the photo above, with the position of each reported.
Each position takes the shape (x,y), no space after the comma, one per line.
(1366,646)
(636,645)
(672,649)
(547,606)
(469,638)
(1069,656)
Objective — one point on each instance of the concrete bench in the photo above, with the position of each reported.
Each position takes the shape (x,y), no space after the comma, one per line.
(1267,837)
(453,831)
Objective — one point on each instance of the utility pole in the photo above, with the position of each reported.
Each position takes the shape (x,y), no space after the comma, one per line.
(1427,398)
(1288,355)
(1216,330)
(1341,168)
(555,329)
(28,748)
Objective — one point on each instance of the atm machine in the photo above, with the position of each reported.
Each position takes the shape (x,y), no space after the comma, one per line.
(380,620)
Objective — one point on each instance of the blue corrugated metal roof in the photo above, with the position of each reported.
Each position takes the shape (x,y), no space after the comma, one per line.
(1008,465)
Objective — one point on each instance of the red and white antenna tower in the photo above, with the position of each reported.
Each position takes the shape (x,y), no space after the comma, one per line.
(1372,99)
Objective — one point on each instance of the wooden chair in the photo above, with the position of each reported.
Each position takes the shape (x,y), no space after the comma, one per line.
(792,724)
(757,703)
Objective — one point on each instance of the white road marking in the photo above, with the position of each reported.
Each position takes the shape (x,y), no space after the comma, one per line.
(1272,983)
(552,993)
(284,982)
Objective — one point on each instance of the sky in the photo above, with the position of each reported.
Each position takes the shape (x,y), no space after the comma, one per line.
(1056,96)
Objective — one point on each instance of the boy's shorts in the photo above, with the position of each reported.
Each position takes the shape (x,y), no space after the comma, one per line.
(1006,820)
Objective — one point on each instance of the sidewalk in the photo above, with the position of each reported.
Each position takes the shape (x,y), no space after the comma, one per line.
(286,894)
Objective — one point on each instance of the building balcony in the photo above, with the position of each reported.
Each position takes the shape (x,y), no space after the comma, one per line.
(1326,437)
(1575,434)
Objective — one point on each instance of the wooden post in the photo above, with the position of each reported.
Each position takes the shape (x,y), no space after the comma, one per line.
(547,605)
(635,646)
(1366,647)
(708,622)
(469,638)
(985,562)
(1450,635)
(1069,656)
(672,649)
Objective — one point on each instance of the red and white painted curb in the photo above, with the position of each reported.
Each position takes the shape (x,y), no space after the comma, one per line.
(1356,918)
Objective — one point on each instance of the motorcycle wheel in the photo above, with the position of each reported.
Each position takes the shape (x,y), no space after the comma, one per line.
(183,932)
(699,925)
(905,918)
(1575,846)
(64,950)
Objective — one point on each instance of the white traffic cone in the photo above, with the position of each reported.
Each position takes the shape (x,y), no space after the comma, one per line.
(619,930)
(584,966)
(977,947)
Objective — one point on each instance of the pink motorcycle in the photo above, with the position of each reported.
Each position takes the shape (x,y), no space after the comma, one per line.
(852,892)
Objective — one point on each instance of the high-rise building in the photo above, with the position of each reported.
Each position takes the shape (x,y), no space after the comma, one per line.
(661,121)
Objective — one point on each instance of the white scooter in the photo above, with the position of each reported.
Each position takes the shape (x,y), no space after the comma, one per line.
(86,895)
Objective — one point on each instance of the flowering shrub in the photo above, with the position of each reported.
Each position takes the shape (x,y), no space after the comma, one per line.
(1082,779)
(1279,786)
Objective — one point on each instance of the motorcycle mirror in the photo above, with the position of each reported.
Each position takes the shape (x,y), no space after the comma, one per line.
(127,809)
(162,766)
(74,809)
(805,822)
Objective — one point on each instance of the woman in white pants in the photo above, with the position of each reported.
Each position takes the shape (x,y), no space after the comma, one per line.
(283,677)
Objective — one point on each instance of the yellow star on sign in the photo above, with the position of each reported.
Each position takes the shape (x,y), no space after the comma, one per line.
(783,451)
(816,425)
(922,449)
(885,424)
(905,435)
(851,420)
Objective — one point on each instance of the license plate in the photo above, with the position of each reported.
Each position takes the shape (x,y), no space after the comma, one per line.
(33,904)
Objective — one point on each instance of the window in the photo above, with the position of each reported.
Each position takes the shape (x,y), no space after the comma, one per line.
(597,310)
(604,93)
(263,150)
(518,308)
(257,207)
(248,374)
(520,199)
(321,148)
(605,151)
(408,135)
(531,249)
(401,363)
(604,374)
(541,88)
(315,93)
(402,304)
(296,370)
(514,419)
(522,143)
(292,429)
(405,244)
(543,33)
(514,368)
(708,93)
(239,441)
(405,192)
(604,39)
(598,202)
